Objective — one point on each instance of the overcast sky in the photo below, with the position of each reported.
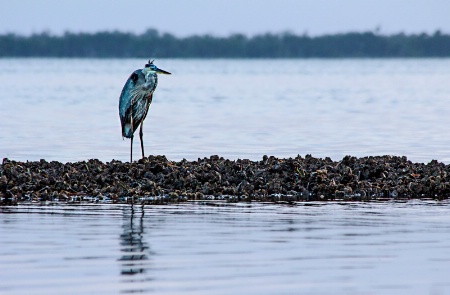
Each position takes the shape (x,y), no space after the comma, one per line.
(224,17)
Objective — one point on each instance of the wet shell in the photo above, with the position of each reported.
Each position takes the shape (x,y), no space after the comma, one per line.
(157,179)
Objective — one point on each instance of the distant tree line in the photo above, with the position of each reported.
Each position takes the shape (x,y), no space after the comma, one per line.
(283,45)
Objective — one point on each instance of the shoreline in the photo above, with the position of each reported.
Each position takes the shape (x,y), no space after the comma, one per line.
(156,180)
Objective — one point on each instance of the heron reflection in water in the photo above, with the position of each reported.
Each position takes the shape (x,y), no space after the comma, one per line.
(135,99)
(135,249)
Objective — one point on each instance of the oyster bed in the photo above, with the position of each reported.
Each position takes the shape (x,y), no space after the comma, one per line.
(156,179)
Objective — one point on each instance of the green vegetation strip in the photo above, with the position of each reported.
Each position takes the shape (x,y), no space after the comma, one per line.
(284,45)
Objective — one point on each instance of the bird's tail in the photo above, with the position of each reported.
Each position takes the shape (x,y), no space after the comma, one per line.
(127,130)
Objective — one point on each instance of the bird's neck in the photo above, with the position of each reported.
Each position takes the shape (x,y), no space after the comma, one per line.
(151,82)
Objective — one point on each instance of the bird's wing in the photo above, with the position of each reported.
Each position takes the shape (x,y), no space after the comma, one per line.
(126,97)
(127,94)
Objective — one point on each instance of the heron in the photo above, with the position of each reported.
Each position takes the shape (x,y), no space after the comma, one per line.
(135,99)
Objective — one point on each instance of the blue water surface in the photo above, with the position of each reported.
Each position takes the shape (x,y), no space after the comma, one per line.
(67,109)
(215,248)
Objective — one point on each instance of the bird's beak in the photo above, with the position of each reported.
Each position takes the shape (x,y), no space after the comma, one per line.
(159,71)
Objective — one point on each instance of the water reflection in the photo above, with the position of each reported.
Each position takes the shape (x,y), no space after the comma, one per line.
(135,250)
(202,249)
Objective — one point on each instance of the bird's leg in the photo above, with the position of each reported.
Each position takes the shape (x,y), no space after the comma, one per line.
(132,131)
(142,142)
(131,149)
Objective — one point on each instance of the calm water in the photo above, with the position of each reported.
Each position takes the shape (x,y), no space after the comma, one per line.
(313,248)
(67,109)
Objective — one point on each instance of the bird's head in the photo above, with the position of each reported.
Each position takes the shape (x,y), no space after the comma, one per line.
(150,68)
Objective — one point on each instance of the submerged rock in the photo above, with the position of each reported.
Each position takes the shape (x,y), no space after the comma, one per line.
(156,179)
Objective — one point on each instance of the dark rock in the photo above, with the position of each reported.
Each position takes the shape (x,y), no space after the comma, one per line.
(157,180)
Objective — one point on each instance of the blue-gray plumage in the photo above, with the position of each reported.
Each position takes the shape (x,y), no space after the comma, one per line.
(135,99)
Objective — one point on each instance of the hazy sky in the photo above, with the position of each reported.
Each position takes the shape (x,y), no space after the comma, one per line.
(223,17)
